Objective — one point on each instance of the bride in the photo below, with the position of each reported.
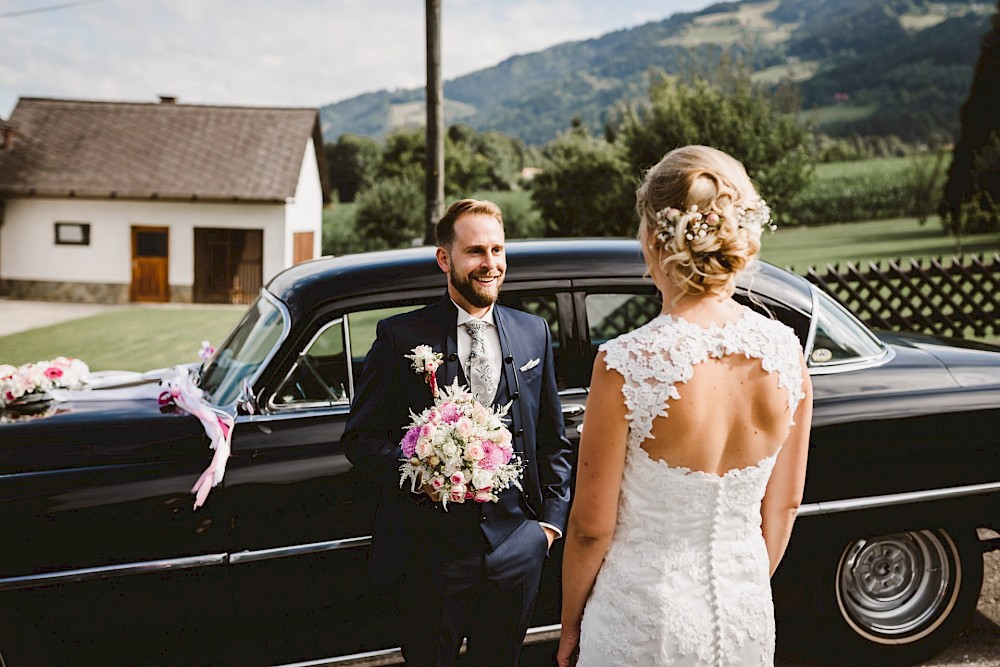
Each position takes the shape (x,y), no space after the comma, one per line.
(693,454)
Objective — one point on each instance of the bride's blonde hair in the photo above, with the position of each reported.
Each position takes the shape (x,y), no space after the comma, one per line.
(700,219)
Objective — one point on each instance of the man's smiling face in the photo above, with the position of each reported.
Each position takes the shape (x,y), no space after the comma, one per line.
(475,263)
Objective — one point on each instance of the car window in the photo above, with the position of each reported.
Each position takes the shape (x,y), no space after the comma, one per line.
(839,337)
(611,315)
(319,375)
(250,344)
(547,307)
(361,330)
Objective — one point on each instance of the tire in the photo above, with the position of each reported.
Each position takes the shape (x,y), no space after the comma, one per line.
(900,598)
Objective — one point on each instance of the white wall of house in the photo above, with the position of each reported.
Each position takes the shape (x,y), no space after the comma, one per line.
(28,250)
(305,212)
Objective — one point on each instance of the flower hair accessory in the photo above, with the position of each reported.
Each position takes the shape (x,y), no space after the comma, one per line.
(426,362)
(698,225)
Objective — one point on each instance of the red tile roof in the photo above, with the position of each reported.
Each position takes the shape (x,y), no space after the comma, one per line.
(157,151)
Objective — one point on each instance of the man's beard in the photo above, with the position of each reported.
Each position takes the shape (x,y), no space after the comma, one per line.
(476,294)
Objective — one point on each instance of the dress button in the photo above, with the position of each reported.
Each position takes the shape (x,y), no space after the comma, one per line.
(483,519)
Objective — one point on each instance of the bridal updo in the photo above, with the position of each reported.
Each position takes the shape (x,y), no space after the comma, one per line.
(700,219)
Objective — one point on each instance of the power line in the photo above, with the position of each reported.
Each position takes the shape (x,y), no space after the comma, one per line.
(48,8)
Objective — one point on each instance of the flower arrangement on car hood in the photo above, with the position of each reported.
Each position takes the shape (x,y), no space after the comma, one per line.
(19,383)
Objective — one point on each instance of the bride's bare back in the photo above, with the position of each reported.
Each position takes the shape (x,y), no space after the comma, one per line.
(731,414)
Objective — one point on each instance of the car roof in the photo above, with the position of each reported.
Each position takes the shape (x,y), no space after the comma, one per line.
(311,283)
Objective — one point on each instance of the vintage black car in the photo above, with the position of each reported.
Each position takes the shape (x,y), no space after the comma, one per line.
(105,562)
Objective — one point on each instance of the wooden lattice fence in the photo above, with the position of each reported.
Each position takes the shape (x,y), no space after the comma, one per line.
(958,296)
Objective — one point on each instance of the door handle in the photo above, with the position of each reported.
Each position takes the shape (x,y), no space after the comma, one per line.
(572,410)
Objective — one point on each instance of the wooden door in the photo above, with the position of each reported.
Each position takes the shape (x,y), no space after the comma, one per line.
(302,246)
(150,263)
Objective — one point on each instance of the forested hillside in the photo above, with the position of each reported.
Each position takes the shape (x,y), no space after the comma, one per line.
(871,67)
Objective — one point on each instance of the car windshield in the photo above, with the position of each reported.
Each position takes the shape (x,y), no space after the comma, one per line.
(243,352)
(840,337)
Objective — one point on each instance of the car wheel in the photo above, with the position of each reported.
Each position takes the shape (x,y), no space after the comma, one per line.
(901,598)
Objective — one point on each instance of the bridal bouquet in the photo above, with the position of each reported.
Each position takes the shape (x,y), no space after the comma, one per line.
(459,447)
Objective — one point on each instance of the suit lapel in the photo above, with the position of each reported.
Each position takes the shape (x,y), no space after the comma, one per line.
(447,318)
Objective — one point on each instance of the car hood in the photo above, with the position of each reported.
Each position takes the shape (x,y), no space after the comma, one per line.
(98,428)
(970,363)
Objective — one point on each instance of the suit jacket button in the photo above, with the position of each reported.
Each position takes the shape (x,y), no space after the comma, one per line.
(483,519)
(520,431)
(513,396)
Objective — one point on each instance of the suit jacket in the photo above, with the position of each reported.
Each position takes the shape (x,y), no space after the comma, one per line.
(407,525)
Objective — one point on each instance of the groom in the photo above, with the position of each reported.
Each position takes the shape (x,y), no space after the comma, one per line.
(471,571)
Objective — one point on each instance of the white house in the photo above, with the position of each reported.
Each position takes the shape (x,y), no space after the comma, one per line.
(115,202)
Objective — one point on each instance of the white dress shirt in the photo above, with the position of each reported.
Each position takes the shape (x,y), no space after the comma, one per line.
(493,353)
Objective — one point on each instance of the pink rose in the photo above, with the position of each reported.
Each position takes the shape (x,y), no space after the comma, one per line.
(427,431)
(475,451)
(423,449)
(458,478)
(504,437)
(484,496)
(53,372)
(438,482)
(458,493)
(464,426)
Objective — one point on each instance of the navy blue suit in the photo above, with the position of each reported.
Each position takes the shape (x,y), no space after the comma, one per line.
(471,546)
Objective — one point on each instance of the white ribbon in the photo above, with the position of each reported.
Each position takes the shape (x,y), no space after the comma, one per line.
(182,392)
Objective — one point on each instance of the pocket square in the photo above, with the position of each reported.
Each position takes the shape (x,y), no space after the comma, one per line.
(531,364)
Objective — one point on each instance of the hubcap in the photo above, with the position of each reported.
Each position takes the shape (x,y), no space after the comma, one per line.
(897,587)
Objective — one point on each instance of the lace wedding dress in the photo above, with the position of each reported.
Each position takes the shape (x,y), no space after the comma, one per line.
(685,580)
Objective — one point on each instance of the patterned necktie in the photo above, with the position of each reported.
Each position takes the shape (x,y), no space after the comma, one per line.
(481,374)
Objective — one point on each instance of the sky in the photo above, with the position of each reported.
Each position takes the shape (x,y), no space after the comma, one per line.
(277,52)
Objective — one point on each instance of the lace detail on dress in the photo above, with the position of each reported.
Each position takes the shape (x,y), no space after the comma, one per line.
(685,580)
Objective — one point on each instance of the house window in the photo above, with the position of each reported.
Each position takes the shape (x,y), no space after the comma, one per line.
(72,233)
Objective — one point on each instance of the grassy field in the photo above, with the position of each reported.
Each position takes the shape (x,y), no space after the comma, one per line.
(134,339)
(801,247)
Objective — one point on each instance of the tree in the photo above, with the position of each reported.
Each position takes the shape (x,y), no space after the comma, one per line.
(753,125)
(584,188)
(351,163)
(973,183)
(390,214)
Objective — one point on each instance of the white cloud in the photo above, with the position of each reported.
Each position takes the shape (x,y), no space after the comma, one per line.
(293,53)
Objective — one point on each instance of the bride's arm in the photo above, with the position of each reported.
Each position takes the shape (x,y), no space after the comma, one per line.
(784,490)
(600,463)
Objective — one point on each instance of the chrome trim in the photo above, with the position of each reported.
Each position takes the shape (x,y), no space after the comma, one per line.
(348,358)
(888,354)
(293,407)
(873,502)
(299,550)
(859,363)
(394,656)
(105,572)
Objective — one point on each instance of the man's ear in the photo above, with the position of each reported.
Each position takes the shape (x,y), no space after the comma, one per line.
(443,260)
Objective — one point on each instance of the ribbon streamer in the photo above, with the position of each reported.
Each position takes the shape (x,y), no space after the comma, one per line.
(182,392)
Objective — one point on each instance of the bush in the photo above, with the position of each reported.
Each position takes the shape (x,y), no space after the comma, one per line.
(390,214)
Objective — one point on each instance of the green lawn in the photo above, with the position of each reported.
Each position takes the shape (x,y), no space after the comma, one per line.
(800,247)
(132,339)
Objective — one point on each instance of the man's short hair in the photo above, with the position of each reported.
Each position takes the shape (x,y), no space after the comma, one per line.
(445,228)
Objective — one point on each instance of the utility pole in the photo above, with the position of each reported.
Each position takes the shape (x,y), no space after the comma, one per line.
(435,122)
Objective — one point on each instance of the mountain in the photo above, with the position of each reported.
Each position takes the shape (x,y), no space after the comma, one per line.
(863,66)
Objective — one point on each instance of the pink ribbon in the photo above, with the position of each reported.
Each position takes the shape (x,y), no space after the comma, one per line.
(218,425)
